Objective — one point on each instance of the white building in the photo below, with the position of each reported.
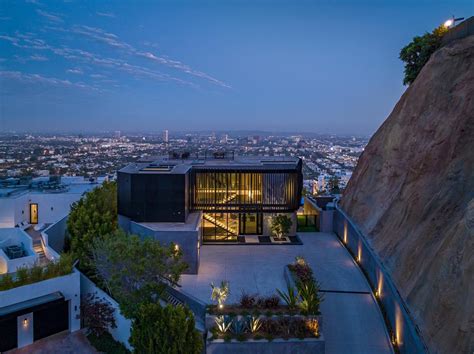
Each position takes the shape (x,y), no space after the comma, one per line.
(41,200)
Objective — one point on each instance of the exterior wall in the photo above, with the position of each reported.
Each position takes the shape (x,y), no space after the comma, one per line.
(68,285)
(122,332)
(152,197)
(55,233)
(25,333)
(51,207)
(12,236)
(267,222)
(404,330)
(188,242)
(13,210)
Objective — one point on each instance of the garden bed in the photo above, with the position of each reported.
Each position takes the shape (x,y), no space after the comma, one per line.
(265,334)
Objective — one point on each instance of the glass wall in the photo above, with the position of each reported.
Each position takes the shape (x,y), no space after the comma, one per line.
(220,227)
(244,191)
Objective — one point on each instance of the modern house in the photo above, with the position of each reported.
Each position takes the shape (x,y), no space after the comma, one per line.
(222,198)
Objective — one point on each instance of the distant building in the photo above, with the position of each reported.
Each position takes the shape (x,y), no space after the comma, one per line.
(165,136)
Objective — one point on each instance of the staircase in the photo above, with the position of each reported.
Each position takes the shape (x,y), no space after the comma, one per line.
(38,248)
(212,220)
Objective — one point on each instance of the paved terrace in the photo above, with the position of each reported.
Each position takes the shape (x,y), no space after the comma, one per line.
(352,321)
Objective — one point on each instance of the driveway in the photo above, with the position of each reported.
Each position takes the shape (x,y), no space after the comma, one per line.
(352,321)
(64,343)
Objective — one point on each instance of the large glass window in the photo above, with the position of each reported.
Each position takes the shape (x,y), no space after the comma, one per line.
(220,227)
(244,191)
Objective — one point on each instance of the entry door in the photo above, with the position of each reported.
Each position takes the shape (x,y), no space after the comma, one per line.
(51,319)
(251,223)
(33,213)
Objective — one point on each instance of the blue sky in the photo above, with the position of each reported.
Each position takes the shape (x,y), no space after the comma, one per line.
(307,66)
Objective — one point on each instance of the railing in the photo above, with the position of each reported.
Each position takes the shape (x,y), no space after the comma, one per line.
(405,335)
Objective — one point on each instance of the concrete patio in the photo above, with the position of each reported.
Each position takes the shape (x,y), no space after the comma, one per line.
(353,322)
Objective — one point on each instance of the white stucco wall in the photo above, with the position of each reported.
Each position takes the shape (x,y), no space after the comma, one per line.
(68,285)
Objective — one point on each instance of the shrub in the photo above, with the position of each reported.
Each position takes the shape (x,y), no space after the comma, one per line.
(98,314)
(105,343)
(417,53)
(247,301)
(301,269)
(220,293)
(222,323)
(254,324)
(281,225)
(165,330)
(238,326)
(310,298)
(6,282)
(291,296)
(271,302)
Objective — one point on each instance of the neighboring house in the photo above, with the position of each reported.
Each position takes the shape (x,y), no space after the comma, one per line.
(38,208)
(214,200)
(42,200)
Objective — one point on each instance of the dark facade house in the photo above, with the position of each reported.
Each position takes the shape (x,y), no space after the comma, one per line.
(220,197)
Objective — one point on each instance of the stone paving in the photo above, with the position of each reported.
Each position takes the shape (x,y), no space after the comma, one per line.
(352,321)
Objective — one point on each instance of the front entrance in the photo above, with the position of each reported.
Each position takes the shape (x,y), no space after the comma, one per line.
(251,224)
(51,319)
(33,213)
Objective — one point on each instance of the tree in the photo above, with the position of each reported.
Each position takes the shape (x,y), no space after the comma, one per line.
(281,225)
(135,270)
(333,185)
(93,216)
(417,53)
(98,314)
(165,330)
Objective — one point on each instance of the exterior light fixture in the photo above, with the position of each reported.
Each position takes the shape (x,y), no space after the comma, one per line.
(377,294)
(452,21)
(176,248)
(221,306)
(25,322)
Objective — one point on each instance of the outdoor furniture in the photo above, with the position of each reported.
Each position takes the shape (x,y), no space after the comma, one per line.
(14,251)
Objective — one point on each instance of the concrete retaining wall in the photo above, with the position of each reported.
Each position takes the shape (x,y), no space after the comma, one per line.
(55,234)
(404,331)
(263,346)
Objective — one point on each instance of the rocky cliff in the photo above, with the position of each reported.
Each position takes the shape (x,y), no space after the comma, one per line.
(412,193)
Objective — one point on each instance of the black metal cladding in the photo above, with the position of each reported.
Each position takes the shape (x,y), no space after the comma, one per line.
(151,197)
(246,191)
(167,197)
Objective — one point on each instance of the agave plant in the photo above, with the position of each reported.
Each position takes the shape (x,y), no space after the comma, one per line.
(220,293)
(290,297)
(223,324)
(238,326)
(254,324)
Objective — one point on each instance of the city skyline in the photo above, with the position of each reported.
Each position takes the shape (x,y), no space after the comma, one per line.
(186,66)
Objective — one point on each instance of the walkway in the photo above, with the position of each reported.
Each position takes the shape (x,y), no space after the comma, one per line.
(352,322)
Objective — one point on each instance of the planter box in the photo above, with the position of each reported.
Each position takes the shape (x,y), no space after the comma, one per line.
(211,319)
(263,346)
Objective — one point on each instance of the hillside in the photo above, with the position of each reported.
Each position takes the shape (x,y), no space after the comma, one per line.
(412,193)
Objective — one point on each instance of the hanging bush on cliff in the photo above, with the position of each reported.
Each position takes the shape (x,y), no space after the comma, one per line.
(416,53)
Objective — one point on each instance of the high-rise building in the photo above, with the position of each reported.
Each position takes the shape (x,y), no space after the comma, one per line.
(166,136)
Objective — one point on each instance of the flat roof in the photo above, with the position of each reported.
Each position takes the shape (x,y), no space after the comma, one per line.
(191,224)
(165,165)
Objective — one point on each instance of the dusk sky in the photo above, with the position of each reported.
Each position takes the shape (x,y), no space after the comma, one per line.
(287,66)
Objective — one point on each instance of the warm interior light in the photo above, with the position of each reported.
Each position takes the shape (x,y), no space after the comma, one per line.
(25,322)
(176,248)
(449,23)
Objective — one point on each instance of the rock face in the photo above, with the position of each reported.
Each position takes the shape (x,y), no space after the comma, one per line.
(412,193)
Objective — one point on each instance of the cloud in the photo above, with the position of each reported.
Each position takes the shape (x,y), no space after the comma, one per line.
(39,79)
(50,16)
(77,71)
(36,2)
(105,14)
(113,41)
(36,57)
(97,76)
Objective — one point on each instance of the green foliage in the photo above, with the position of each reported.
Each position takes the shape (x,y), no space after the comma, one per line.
(333,185)
(417,53)
(310,298)
(135,270)
(105,343)
(220,293)
(254,324)
(165,330)
(281,225)
(25,276)
(222,323)
(93,216)
(290,297)
(239,326)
